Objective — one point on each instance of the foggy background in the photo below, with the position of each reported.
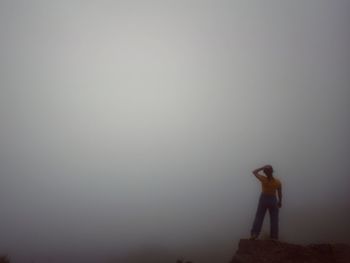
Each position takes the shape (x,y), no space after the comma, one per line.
(129,129)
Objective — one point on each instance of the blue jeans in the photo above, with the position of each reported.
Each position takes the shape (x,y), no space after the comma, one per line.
(266,202)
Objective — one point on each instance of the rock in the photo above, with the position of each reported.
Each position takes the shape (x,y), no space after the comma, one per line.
(4,259)
(261,251)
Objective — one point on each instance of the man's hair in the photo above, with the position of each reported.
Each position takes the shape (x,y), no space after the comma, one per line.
(268,169)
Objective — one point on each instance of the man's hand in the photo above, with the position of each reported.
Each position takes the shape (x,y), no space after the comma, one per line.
(279,204)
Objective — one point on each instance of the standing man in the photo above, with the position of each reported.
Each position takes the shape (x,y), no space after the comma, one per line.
(268,200)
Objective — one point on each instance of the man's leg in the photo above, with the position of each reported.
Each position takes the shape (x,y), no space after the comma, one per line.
(273,210)
(259,218)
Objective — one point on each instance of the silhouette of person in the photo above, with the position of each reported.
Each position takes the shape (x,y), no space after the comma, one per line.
(267,201)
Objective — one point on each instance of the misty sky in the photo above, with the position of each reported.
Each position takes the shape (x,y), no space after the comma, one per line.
(130,128)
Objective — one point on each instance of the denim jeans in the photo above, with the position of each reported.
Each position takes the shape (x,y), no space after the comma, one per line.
(266,202)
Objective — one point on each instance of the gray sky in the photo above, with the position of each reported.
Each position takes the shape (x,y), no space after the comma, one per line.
(130,128)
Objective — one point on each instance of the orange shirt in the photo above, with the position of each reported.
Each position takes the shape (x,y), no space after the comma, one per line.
(269,187)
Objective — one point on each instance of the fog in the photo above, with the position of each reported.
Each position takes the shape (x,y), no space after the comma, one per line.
(129,129)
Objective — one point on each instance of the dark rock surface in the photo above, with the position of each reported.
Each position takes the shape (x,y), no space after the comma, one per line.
(261,251)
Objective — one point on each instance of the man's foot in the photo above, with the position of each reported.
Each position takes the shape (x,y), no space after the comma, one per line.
(253,237)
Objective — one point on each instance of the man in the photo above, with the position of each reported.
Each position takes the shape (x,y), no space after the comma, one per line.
(268,200)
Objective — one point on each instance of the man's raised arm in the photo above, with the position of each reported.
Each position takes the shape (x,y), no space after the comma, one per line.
(256,172)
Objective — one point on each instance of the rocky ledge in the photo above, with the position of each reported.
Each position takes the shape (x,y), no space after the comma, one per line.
(266,251)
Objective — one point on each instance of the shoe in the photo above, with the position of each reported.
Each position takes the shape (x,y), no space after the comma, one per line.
(253,237)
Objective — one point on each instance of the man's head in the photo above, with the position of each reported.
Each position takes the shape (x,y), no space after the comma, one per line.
(268,170)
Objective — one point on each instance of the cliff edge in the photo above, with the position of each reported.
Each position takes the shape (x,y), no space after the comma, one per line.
(261,251)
